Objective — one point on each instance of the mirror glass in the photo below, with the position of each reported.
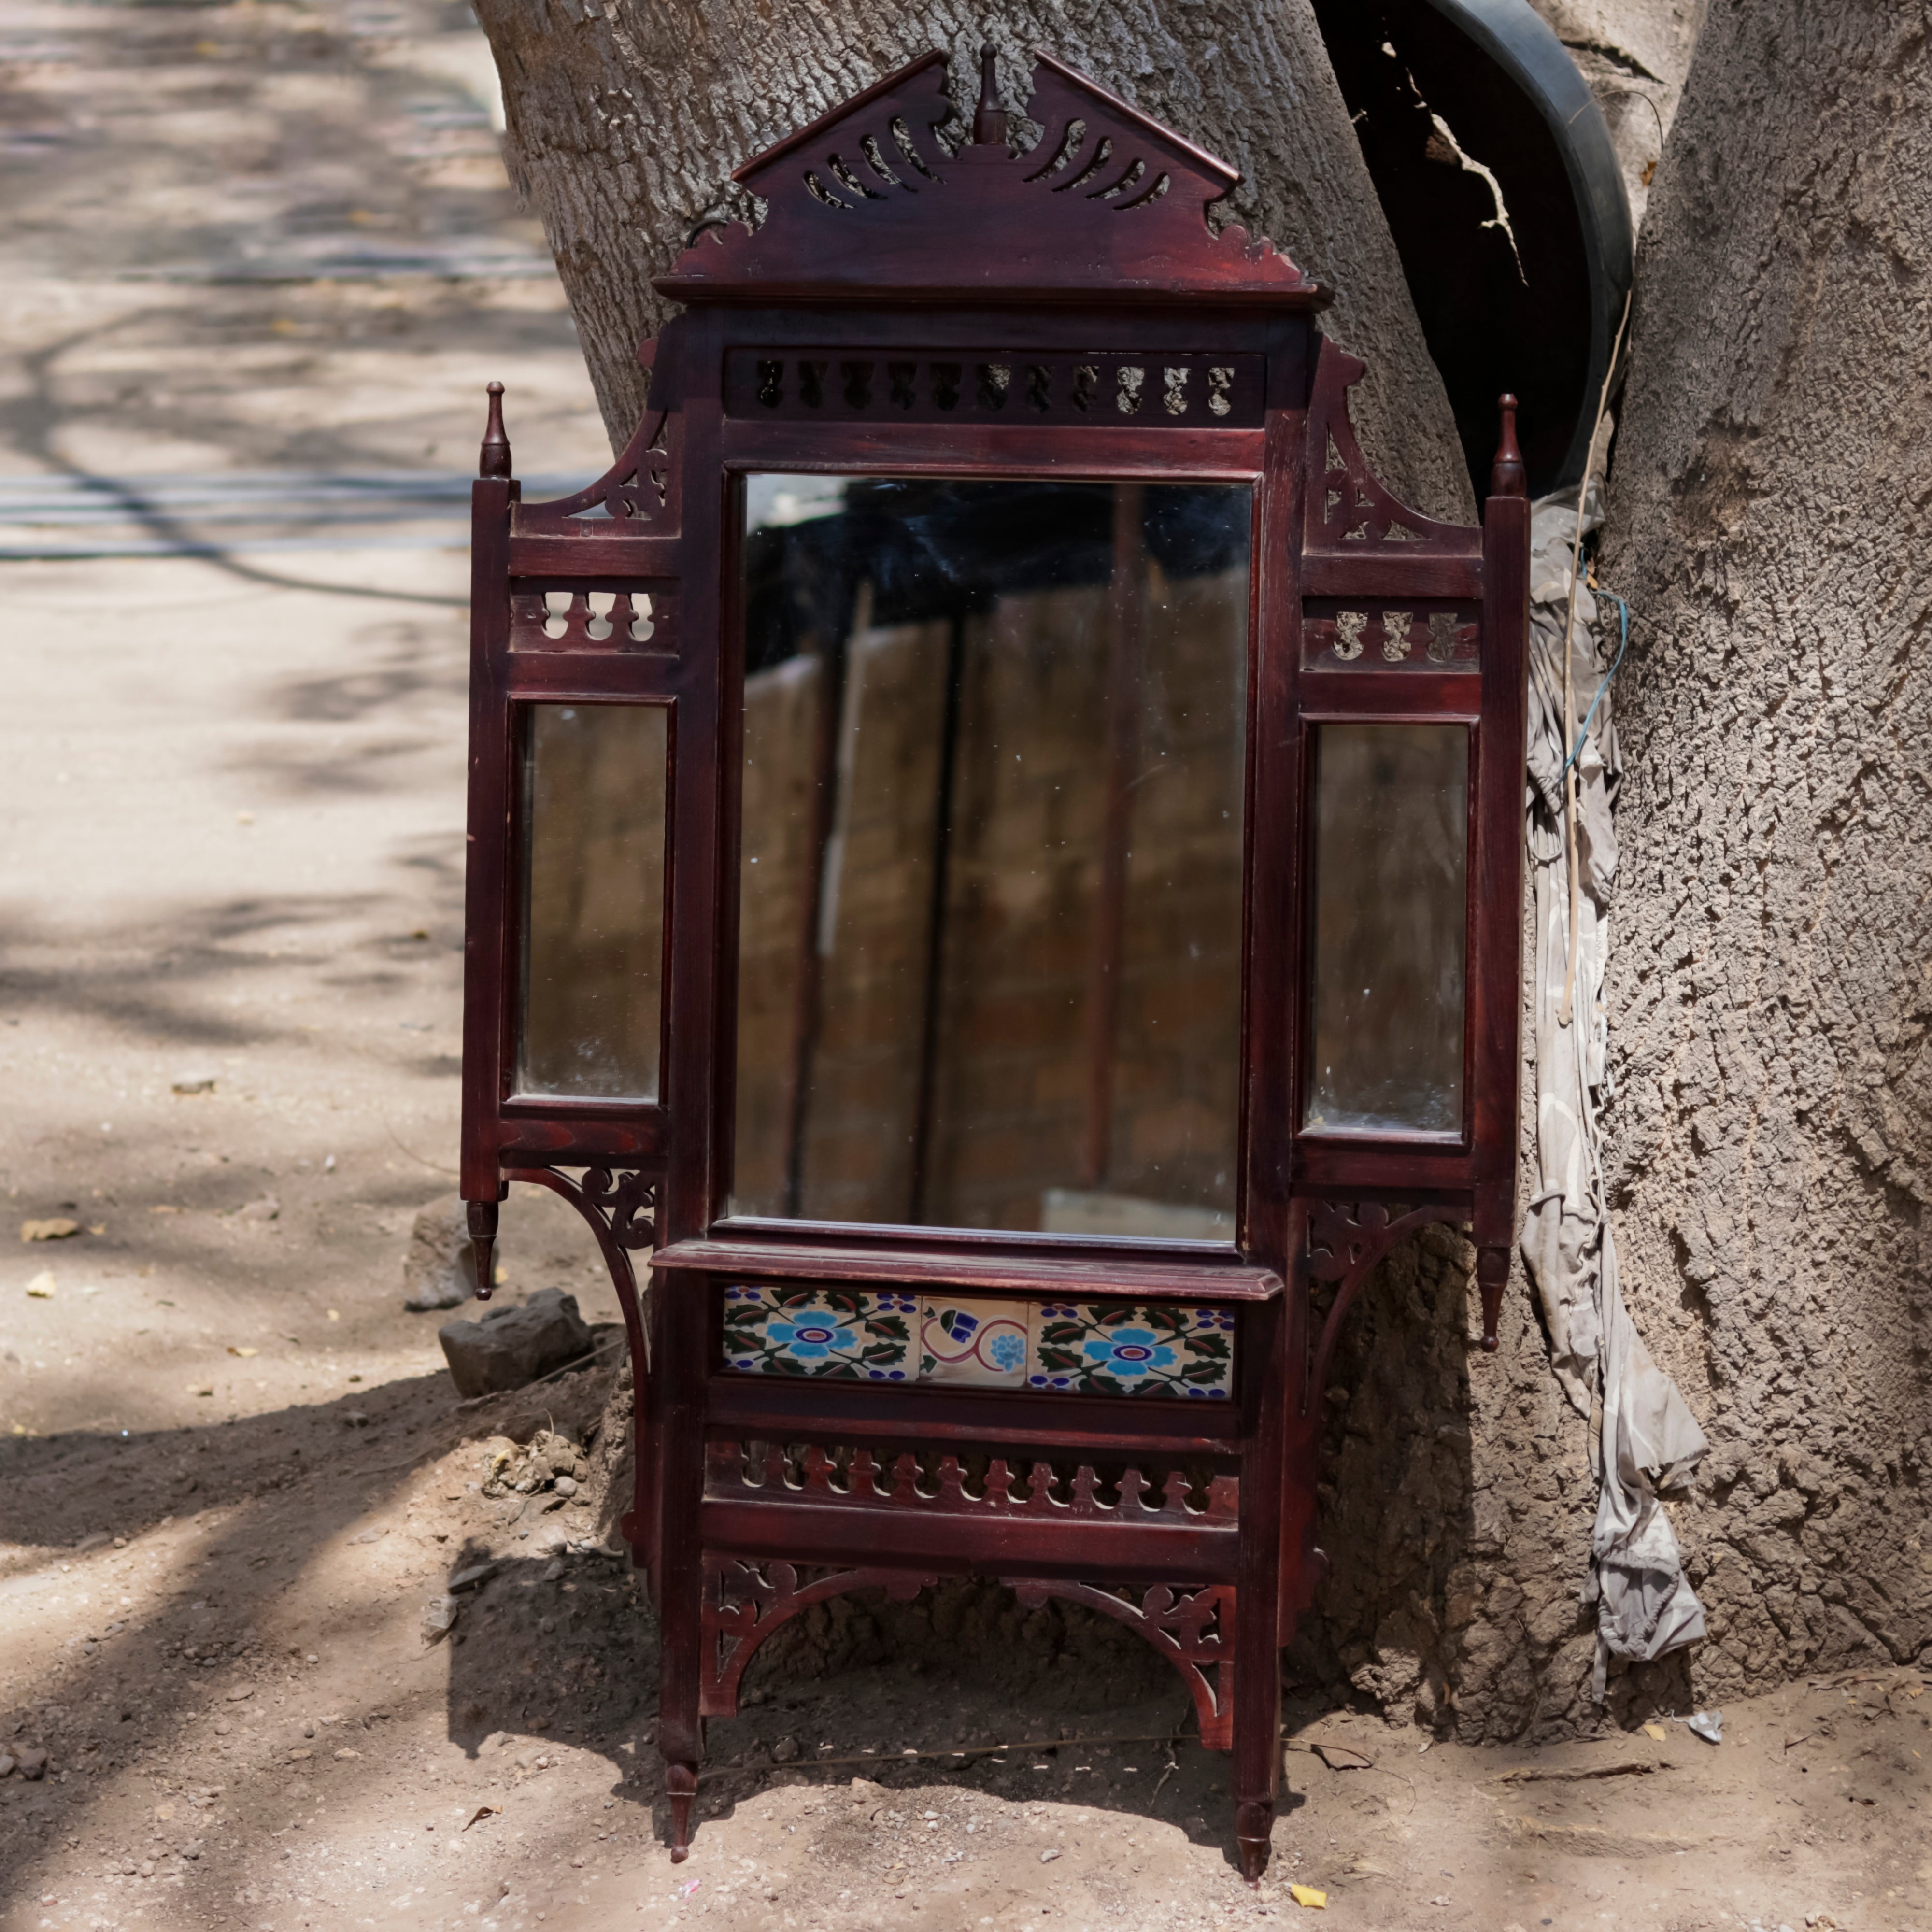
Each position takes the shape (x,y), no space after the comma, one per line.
(991,849)
(593,812)
(1391,833)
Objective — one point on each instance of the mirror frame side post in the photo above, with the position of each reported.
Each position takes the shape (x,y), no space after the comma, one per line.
(1500,865)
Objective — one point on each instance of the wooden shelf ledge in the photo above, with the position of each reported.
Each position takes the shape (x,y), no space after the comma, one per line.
(1177,1278)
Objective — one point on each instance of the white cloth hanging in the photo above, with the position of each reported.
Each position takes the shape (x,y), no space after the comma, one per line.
(1647,1440)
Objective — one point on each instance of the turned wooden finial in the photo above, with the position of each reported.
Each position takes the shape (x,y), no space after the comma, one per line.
(1506,474)
(1492,1268)
(493,458)
(482,1219)
(989,118)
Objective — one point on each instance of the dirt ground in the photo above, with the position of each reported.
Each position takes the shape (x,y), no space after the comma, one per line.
(232,1472)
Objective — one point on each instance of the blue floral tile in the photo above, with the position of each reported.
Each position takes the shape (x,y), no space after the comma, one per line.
(982,1343)
(1102,1348)
(817,1331)
(1061,1348)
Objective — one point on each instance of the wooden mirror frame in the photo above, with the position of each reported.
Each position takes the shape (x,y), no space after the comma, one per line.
(818,342)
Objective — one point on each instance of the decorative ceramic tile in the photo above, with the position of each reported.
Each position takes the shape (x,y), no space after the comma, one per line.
(820,1331)
(1118,1348)
(980,1342)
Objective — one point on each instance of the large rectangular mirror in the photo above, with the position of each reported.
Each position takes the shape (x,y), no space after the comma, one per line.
(593,812)
(1391,939)
(989,966)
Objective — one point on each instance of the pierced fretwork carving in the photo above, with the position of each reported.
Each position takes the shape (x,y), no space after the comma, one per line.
(623,1197)
(554,616)
(1106,192)
(745,1602)
(636,493)
(968,1486)
(1345,1240)
(1334,631)
(1349,511)
(1203,391)
(1193,1630)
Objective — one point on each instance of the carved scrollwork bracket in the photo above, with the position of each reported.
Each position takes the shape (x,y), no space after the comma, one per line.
(619,1204)
(622,1198)
(745,1602)
(1345,1240)
(1194,1629)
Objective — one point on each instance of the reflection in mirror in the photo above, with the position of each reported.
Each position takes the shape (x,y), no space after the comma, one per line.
(593,806)
(990,886)
(1391,857)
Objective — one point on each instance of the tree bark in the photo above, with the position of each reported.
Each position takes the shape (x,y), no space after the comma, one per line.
(1635,54)
(1769,988)
(626,118)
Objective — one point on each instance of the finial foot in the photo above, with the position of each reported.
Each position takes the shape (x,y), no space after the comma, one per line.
(1492,1266)
(482,1216)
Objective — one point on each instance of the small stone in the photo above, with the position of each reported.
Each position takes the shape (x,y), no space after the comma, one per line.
(566,1486)
(32,1762)
(345,1752)
(56,1227)
(440,1616)
(1047,1857)
(476,1573)
(268,1208)
(511,1346)
(196,1080)
(300,1751)
(41,1287)
(355,1418)
(7,1767)
(439,1268)
(784,1750)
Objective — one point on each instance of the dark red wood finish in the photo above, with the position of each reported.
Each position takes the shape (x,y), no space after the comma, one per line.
(969,315)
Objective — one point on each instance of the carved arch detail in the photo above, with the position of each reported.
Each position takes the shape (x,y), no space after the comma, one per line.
(746,1602)
(1344,1241)
(1193,1630)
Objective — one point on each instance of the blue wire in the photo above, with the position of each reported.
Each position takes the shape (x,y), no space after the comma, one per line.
(1583,729)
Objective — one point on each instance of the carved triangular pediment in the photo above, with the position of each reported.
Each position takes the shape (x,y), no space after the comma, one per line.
(869,203)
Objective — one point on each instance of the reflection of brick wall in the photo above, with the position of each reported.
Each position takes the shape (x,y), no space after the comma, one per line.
(1028,809)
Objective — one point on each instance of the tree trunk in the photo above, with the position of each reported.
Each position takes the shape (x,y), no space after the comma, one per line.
(1769,988)
(1634,54)
(626,119)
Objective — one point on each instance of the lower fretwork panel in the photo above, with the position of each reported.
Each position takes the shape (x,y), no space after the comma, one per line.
(747,1598)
